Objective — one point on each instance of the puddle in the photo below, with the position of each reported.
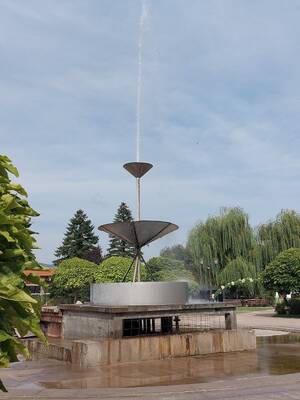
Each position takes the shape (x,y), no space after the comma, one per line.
(276,355)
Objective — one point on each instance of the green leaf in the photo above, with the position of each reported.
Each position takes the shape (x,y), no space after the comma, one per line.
(9,292)
(18,188)
(7,236)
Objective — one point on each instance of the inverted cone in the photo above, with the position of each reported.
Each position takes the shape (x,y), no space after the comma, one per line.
(139,233)
(137,169)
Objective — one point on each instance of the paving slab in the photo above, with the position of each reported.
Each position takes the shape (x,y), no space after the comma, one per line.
(267,319)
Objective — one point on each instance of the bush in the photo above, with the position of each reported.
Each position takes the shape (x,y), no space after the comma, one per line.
(282,275)
(289,307)
(169,269)
(114,268)
(281,308)
(72,279)
(294,306)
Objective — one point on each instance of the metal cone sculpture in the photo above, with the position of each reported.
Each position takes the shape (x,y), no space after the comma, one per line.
(138,233)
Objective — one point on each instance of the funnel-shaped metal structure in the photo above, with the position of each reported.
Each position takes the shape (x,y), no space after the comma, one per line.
(137,169)
(139,233)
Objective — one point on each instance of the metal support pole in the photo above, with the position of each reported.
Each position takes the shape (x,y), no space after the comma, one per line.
(138,199)
(137,269)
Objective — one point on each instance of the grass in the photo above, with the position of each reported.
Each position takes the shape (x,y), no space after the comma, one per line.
(241,310)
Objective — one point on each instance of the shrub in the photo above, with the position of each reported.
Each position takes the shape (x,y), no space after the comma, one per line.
(281,308)
(294,306)
(19,312)
(282,275)
(289,307)
(114,268)
(72,279)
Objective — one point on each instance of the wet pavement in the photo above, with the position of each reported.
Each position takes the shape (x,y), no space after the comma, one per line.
(271,372)
(267,319)
(277,355)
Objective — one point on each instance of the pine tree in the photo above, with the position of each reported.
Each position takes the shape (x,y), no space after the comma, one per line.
(118,247)
(79,238)
(94,255)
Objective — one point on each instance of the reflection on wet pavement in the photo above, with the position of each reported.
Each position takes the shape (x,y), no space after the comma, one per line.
(276,355)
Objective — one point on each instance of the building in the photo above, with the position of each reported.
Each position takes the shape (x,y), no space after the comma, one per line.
(44,274)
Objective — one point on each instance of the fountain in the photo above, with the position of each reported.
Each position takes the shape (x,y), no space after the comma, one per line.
(139,233)
(135,321)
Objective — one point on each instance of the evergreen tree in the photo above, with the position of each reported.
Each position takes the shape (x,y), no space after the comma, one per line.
(118,247)
(79,238)
(94,255)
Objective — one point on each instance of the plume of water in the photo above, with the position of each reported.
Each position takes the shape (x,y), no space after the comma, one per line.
(142,27)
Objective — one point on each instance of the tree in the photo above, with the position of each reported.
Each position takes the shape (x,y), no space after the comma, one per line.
(276,236)
(169,269)
(18,310)
(178,252)
(113,269)
(282,275)
(72,279)
(219,240)
(79,238)
(118,247)
(239,277)
(236,269)
(94,255)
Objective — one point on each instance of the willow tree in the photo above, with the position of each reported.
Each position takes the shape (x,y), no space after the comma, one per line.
(276,236)
(217,241)
(239,277)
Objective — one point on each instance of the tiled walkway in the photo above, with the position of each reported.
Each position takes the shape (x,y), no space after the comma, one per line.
(267,320)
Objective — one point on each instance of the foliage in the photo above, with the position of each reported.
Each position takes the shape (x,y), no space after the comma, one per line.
(289,307)
(276,236)
(18,310)
(94,255)
(282,275)
(219,240)
(114,268)
(178,252)
(241,288)
(236,269)
(169,269)
(71,280)
(281,308)
(118,247)
(243,274)
(79,238)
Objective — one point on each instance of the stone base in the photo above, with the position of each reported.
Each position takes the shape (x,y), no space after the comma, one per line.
(89,353)
(87,321)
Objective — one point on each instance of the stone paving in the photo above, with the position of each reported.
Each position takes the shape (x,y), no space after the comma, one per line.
(250,388)
(266,319)
(240,376)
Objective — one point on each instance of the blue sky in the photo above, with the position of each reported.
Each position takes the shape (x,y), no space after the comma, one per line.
(220,108)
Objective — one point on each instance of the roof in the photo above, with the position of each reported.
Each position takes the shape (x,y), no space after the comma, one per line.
(39,272)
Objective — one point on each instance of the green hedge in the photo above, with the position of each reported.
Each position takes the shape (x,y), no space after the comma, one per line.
(289,307)
(114,268)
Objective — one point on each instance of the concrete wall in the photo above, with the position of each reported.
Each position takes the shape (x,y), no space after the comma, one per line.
(39,350)
(51,322)
(113,351)
(90,326)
